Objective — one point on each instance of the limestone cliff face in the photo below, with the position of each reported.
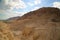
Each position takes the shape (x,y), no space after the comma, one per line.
(41,24)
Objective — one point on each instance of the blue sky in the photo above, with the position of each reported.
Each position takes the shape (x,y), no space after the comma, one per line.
(13,8)
(43,3)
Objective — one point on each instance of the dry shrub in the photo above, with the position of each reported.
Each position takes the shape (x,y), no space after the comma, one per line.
(5,33)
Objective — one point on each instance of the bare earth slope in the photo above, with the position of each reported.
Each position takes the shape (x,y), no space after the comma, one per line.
(41,24)
(5,33)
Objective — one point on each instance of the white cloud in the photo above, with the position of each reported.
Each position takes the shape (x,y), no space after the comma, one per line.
(17,4)
(37,2)
(10,4)
(6,7)
(56,4)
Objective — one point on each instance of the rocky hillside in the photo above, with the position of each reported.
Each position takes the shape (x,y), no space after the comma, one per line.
(45,15)
(41,24)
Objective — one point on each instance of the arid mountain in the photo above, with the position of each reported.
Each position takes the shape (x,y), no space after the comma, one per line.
(41,24)
(45,14)
(41,11)
(38,13)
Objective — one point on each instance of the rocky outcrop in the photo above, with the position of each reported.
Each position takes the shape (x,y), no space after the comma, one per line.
(41,24)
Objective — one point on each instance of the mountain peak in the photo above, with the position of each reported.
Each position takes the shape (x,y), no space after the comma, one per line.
(41,11)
